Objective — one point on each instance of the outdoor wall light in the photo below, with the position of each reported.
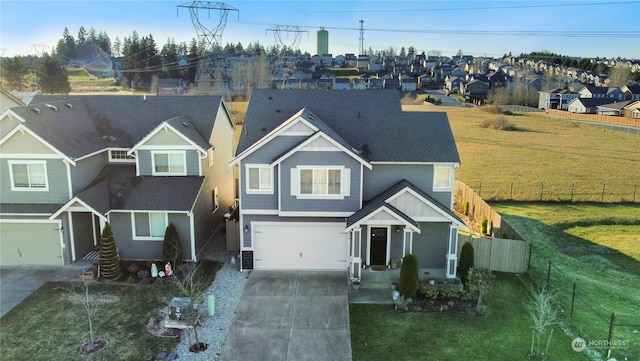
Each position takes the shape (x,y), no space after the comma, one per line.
(246,229)
(397,229)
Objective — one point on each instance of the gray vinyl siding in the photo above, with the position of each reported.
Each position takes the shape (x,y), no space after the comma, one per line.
(143,250)
(56,177)
(383,176)
(145,164)
(247,219)
(289,203)
(258,201)
(86,171)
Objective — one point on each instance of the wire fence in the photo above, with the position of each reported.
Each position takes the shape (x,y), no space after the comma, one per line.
(612,192)
(613,333)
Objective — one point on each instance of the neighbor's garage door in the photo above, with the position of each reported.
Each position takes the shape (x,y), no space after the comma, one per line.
(30,244)
(317,246)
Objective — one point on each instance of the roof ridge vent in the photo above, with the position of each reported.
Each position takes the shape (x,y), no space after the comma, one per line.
(52,107)
(37,110)
(69,105)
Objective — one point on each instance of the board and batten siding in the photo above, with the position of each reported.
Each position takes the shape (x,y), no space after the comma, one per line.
(145,164)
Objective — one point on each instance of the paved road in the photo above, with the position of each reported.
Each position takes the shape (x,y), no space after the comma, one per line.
(446,100)
(291,316)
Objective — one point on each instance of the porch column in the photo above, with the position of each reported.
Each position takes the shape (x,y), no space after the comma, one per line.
(452,254)
(355,265)
(72,238)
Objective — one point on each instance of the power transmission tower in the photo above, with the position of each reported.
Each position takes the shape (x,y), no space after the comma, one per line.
(279,29)
(208,36)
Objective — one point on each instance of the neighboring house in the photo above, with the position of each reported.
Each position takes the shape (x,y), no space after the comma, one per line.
(8,100)
(586,105)
(616,108)
(345,180)
(556,99)
(592,91)
(342,84)
(70,165)
(171,87)
(632,91)
(409,83)
(475,90)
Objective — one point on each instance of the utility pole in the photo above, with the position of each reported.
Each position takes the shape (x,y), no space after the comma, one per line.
(361,49)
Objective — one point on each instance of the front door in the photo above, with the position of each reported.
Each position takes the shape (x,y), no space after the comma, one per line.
(378,246)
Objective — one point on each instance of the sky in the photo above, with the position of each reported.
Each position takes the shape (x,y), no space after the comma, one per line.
(577,28)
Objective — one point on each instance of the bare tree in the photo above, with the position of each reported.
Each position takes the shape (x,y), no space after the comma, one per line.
(89,304)
(544,315)
(191,283)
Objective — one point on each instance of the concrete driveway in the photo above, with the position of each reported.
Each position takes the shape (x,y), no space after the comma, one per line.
(291,315)
(17,283)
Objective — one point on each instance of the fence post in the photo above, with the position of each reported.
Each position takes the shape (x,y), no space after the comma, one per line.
(529,260)
(549,273)
(480,190)
(635,188)
(541,189)
(573,298)
(511,192)
(602,199)
(572,185)
(613,317)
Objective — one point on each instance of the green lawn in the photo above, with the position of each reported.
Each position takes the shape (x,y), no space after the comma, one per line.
(51,325)
(596,247)
(380,333)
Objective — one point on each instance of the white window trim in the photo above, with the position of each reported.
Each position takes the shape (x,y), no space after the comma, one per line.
(449,187)
(135,237)
(343,179)
(153,163)
(132,159)
(28,189)
(259,191)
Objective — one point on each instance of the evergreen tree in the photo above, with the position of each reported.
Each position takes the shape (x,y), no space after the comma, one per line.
(171,247)
(466,261)
(13,73)
(109,260)
(409,277)
(52,76)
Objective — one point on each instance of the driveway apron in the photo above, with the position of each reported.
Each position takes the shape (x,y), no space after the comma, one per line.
(17,283)
(291,315)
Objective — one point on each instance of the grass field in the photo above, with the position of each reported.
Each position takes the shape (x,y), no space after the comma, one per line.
(545,154)
(504,334)
(596,247)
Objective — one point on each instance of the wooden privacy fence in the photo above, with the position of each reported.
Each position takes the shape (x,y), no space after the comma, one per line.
(233,235)
(497,254)
(479,209)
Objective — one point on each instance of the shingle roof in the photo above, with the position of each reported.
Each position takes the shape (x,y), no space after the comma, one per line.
(14,208)
(118,188)
(86,124)
(371,120)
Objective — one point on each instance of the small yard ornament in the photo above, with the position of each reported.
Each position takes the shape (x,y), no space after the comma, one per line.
(154,270)
(167,269)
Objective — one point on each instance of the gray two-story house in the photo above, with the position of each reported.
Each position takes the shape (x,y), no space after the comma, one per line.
(345,180)
(70,165)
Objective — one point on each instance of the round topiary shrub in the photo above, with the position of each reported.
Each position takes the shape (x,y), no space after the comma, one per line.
(408,283)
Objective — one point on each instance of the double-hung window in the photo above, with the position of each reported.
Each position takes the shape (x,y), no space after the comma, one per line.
(259,179)
(442,178)
(28,175)
(169,163)
(149,225)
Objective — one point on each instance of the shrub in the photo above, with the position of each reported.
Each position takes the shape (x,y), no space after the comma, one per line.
(500,123)
(408,283)
(466,261)
(466,208)
(484,225)
(484,280)
(496,109)
(430,292)
(109,260)
(171,247)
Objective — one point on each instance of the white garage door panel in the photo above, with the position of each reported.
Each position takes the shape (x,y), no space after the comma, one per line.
(30,244)
(320,246)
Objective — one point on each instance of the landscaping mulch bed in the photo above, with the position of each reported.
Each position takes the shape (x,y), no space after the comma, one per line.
(156,326)
(423,304)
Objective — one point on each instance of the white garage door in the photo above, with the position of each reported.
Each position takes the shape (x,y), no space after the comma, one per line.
(30,244)
(316,246)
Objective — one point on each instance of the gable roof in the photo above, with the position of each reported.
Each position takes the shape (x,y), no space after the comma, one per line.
(367,120)
(82,125)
